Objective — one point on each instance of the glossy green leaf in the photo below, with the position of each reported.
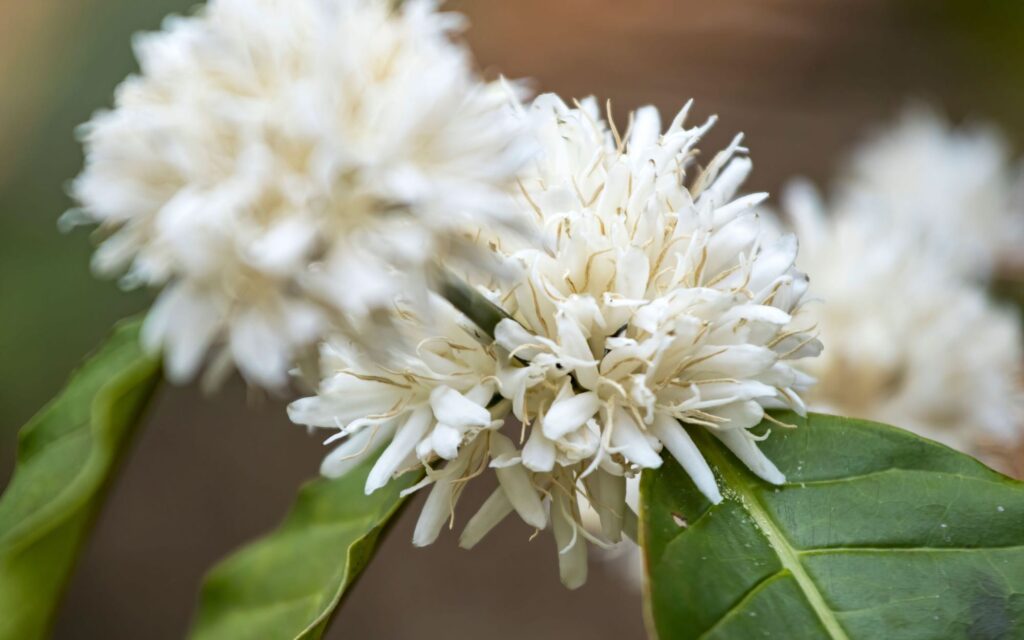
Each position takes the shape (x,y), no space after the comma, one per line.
(876,534)
(66,455)
(288,584)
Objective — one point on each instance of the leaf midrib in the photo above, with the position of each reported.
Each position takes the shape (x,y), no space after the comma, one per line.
(788,555)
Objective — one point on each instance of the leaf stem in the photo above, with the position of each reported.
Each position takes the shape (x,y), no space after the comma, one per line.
(484,313)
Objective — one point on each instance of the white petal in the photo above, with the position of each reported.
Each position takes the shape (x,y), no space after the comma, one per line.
(425,449)
(726,244)
(493,511)
(608,499)
(646,129)
(438,506)
(348,454)
(452,408)
(342,399)
(572,546)
(574,344)
(678,442)
(569,414)
(739,415)
(261,351)
(633,271)
(741,444)
(404,443)
(628,440)
(514,382)
(435,511)
(734,361)
(186,322)
(445,441)
(517,486)
(728,181)
(539,452)
(774,261)
(481,394)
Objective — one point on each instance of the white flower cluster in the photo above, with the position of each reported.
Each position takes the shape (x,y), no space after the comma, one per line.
(900,258)
(286,168)
(652,300)
(292,174)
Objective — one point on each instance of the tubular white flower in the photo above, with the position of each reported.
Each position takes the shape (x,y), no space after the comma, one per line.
(656,301)
(282,167)
(657,295)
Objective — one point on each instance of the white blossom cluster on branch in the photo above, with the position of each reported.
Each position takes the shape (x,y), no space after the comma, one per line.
(295,176)
(283,169)
(954,191)
(311,180)
(901,256)
(649,299)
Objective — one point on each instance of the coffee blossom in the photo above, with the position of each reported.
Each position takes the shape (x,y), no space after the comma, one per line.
(281,168)
(648,302)
(910,342)
(954,190)
(654,305)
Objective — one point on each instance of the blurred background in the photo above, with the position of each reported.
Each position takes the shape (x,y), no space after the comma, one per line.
(804,79)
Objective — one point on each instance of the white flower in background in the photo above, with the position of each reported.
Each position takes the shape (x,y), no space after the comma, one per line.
(910,342)
(656,301)
(954,189)
(281,167)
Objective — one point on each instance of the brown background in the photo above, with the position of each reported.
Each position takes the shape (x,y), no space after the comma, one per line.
(803,78)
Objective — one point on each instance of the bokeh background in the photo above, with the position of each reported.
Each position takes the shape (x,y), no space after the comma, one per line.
(805,79)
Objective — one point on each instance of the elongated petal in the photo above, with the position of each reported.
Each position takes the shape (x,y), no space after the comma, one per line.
(186,322)
(746,450)
(494,510)
(646,128)
(679,443)
(404,443)
(515,480)
(434,514)
(452,408)
(569,414)
(734,361)
(438,505)
(539,452)
(740,415)
(572,547)
(348,454)
(574,343)
(628,440)
(608,498)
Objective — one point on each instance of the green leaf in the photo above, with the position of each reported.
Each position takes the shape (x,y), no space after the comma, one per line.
(876,534)
(66,456)
(289,583)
